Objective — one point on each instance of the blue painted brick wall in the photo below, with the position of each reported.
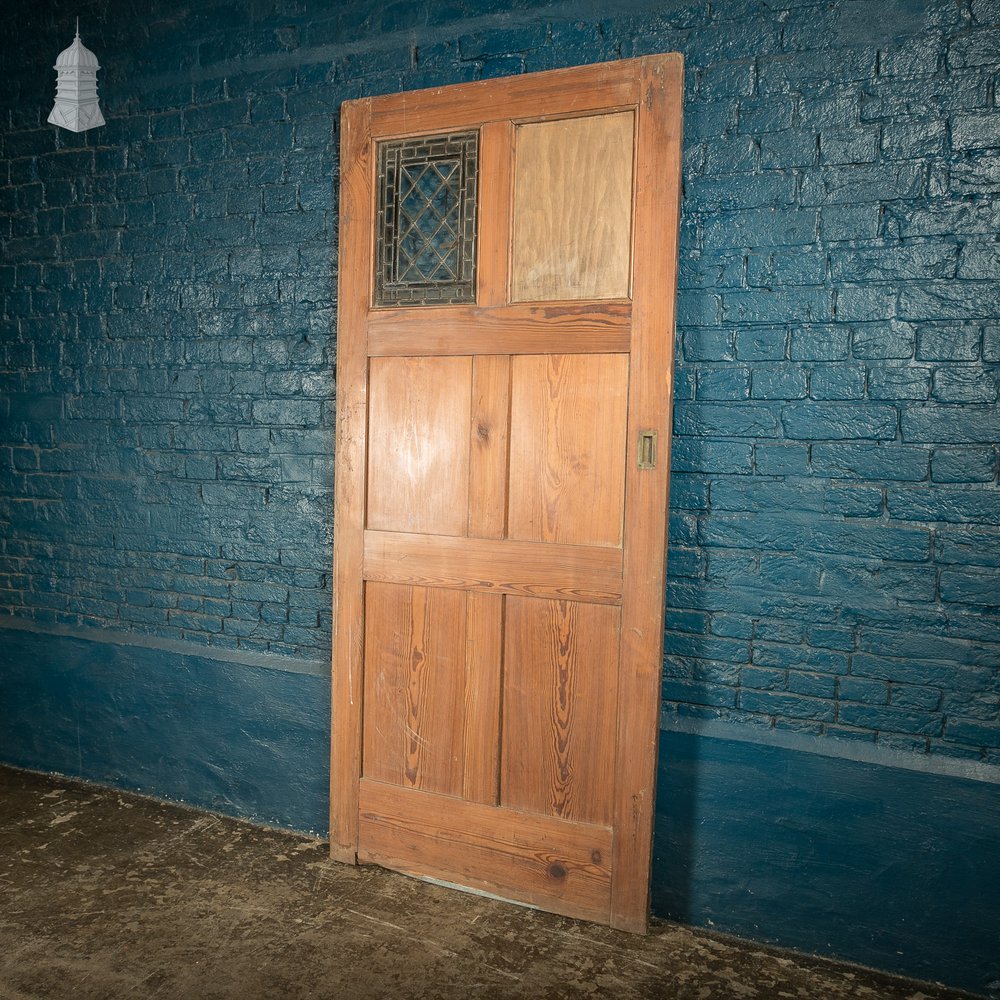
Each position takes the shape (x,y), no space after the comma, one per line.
(166,348)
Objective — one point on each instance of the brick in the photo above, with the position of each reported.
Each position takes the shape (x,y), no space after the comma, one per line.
(883,341)
(707,455)
(856,184)
(779,383)
(866,303)
(854,145)
(724,383)
(978,130)
(939,218)
(798,532)
(898,382)
(980,262)
(937,424)
(786,268)
(949,342)
(792,706)
(986,734)
(912,696)
(840,222)
(971,586)
(761,344)
(832,382)
(871,461)
(811,685)
(839,421)
(950,504)
(964,465)
(709,419)
(891,719)
(760,227)
(864,690)
(781,459)
(965,385)
(951,300)
(764,678)
(895,263)
(966,547)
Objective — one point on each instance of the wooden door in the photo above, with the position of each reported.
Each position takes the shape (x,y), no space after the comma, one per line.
(506,317)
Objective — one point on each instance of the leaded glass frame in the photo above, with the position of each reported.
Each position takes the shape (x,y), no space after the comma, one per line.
(425,237)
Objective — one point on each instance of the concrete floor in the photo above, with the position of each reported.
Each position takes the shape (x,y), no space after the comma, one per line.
(108,895)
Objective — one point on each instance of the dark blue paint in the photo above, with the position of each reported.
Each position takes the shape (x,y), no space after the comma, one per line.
(167,405)
(245,740)
(884,866)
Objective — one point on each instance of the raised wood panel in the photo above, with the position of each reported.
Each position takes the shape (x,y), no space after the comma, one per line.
(415,647)
(560,708)
(567,450)
(559,865)
(554,328)
(573,572)
(572,209)
(418,439)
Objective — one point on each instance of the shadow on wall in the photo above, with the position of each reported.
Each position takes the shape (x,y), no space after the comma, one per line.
(795,843)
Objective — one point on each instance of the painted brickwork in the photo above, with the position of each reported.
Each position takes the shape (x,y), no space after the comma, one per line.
(166,347)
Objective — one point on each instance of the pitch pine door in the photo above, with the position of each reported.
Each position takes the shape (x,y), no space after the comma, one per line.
(506,314)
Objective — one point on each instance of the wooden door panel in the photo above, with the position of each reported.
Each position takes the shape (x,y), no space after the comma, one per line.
(418,444)
(572,208)
(567,452)
(499,549)
(542,860)
(560,708)
(415,702)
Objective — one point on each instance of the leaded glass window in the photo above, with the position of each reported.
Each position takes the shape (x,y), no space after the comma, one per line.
(425,252)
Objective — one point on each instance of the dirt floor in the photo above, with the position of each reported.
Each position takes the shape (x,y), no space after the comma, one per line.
(105,894)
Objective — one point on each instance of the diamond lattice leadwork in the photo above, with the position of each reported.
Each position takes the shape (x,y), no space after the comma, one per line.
(425,252)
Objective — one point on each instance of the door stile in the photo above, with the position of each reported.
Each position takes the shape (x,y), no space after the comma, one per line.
(496,177)
(657,206)
(353,297)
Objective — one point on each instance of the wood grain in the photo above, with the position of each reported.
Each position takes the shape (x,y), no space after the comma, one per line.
(551,328)
(560,708)
(489,436)
(534,569)
(556,94)
(647,493)
(567,448)
(559,865)
(572,209)
(548,626)
(415,699)
(354,292)
(418,441)
(496,153)
(483,670)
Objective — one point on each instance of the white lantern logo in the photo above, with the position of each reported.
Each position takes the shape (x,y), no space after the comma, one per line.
(76,106)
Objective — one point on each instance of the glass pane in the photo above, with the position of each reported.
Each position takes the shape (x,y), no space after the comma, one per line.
(425,248)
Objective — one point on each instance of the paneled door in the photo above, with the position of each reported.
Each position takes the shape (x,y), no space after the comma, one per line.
(506,318)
